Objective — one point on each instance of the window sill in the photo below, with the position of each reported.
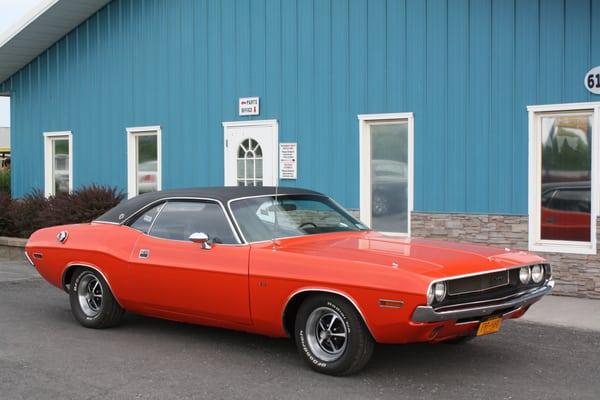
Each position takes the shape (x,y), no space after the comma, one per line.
(565,247)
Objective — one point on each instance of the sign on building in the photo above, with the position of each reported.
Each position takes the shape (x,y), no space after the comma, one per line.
(249,106)
(592,80)
(288,161)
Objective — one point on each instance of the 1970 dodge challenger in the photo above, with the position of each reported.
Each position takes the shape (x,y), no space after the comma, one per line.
(291,263)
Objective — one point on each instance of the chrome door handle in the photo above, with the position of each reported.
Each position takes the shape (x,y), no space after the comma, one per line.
(144,253)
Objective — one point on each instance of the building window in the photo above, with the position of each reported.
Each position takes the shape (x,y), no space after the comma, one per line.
(249,164)
(143,160)
(58,163)
(563,182)
(386,154)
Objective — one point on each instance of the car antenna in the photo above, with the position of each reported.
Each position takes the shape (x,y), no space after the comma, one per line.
(276,220)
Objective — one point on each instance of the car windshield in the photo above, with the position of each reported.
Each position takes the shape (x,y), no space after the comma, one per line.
(267,218)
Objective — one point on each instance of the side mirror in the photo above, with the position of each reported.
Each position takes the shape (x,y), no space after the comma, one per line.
(201,238)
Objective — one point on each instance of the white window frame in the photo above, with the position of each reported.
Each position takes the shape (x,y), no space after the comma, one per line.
(49,138)
(132,134)
(365,164)
(535,178)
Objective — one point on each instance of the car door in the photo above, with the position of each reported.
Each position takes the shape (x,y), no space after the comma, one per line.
(170,273)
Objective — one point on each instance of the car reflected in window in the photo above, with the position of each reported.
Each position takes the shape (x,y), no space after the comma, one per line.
(566,211)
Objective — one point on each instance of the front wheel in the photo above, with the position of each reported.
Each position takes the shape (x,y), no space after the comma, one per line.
(92,303)
(331,336)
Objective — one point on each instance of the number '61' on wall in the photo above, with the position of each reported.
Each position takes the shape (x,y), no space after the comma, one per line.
(592,80)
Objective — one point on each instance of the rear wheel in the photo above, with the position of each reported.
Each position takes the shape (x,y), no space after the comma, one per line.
(331,336)
(92,303)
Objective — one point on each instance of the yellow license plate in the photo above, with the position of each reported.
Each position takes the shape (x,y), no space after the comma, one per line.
(489,326)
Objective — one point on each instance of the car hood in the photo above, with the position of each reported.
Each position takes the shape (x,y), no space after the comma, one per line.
(432,258)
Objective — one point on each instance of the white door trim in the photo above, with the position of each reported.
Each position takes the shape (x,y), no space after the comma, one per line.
(273,123)
(365,164)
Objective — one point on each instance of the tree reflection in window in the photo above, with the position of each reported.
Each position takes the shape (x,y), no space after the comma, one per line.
(566,177)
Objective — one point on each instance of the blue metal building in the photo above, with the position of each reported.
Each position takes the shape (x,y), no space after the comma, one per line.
(445,85)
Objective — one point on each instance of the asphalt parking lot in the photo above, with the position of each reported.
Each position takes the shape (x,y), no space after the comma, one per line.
(45,354)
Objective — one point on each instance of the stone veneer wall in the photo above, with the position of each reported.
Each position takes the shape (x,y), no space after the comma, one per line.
(575,274)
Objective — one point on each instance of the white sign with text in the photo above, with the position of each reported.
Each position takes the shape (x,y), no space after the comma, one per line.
(249,106)
(288,161)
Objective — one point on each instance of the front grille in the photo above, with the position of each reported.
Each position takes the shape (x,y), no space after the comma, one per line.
(486,287)
(478,283)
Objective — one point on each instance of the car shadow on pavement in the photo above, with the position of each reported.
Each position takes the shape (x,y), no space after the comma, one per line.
(412,359)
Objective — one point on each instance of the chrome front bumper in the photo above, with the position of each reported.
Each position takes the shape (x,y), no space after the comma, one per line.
(428,314)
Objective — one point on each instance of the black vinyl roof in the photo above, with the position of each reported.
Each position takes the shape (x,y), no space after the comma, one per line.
(223,194)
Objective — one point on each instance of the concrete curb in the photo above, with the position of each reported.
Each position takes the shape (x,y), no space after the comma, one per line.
(12,248)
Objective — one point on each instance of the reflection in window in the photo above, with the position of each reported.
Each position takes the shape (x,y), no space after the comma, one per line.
(389,177)
(177,220)
(566,177)
(144,222)
(265,218)
(60,165)
(249,164)
(147,163)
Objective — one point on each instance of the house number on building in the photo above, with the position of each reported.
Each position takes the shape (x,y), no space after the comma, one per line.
(592,80)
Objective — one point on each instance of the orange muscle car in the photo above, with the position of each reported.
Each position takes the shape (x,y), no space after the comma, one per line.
(283,262)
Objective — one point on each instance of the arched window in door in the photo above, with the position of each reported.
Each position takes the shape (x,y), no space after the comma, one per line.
(250,164)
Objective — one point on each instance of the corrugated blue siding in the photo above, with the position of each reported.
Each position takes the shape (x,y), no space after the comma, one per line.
(467,69)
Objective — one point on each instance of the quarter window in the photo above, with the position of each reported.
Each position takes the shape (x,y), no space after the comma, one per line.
(58,163)
(144,222)
(177,220)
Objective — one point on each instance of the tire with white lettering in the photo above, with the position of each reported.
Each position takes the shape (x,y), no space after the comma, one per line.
(92,303)
(331,335)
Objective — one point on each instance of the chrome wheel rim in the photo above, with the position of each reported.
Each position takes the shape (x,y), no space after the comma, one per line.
(326,334)
(89,293)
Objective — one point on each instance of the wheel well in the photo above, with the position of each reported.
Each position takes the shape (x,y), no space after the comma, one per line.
(293,305)
(68,274)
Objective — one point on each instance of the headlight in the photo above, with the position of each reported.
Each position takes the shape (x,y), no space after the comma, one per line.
(524,275)
(440,291)
(430,296)
(537,273)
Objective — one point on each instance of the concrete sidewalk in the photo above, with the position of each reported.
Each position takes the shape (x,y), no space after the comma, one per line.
(566,312)
(551,310)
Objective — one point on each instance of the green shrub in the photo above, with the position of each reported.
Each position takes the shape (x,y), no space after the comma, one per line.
(22,217)
(5,181)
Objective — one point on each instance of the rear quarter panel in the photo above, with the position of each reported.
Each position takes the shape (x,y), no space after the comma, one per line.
(104,246)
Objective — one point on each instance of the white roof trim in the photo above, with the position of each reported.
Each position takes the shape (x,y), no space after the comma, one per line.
(39,29)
